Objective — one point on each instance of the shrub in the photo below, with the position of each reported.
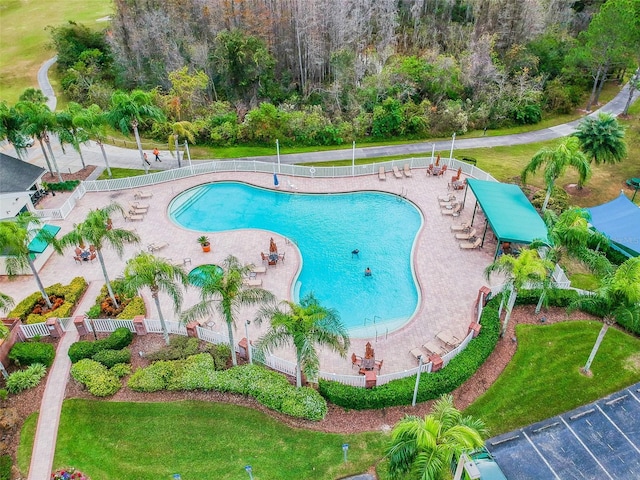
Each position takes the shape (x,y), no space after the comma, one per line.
(178,348)
(28,353)
(153,378)
(194,373)
(66,186)
(68,474)
(134,308)
(119,339)
(221,354)
(109,358)
(121,369)
(71,293)
(85,369)
(81,349)
(5,467)
(433,385)
(96,377)
(24,379)
(3,394)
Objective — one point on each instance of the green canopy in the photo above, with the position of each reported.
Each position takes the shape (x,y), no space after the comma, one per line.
(40,242)
(509,212)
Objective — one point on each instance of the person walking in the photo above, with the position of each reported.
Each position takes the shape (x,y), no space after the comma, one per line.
(156,152)
(145,158)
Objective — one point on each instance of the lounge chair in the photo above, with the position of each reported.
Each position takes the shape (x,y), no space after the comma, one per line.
(448,203)
(139,206)
(467,236)
(131,217)
(407,170)
(252,282)
(382,175)
(455,211)
(140,194)
(447,198)
(471,245)
(434,347)
(417,352)
(137,211)
(396,172)
(153,247)
(463,227)
(256,270)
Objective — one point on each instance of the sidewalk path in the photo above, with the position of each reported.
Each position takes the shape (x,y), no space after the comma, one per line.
(44,444)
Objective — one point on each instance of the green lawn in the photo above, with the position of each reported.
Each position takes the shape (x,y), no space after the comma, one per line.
(199,440)
(24,42)
(543,378)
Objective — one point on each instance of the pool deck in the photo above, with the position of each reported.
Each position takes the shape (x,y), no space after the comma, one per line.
(448,277)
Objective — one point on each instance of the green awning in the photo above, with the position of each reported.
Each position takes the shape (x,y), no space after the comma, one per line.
(509,212)
(40,242)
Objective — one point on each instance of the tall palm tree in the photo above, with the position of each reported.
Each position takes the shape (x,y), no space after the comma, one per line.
(6,302)
(618,298)
(92,120)
(96,230)
(525,269)
(39,120)
(602,139)
(305,325)
(128,110)
(15,236)
(68,131)
(225,292)
(11,128)
(425,448)
(147,271)
(180,130)
(556,161)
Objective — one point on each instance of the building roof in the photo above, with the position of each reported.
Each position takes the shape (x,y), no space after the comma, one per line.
(16,175)
(509,212)
(619,219)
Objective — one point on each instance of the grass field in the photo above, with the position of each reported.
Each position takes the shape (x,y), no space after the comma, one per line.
(543,378)
(24,40)
(199,440)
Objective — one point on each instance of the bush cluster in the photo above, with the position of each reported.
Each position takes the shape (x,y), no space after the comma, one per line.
(5,467)
(66,186)
(99,380)
(119,339)
(71,294)
(198,372)
(133,306)
(109,358)
(179,348)
(28,353)
(433,385)
(25,379)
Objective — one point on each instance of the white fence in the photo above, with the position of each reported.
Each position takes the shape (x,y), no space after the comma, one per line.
(35,330)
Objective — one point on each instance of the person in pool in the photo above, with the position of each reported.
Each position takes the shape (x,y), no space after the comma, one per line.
(367,272)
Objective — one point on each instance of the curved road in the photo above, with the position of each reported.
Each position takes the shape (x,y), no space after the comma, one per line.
(129,157)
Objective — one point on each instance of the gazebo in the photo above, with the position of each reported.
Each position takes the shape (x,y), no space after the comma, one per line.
(619,220)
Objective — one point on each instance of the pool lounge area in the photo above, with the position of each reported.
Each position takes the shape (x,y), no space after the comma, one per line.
(447,277)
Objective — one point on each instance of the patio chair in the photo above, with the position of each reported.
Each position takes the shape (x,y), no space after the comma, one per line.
(430,170)
(252,282)
(382,175)
(435,347)
(141,194)
(131,217)
(463,227)
(256,270)
(467,236)
(139,206)
(417,353)
(471,245)
(92,257)
(356,360)
(442,171)
(447,198)
(396,172)
(137,211)
(407,170)
(455,210)
(78,259)
(153,247)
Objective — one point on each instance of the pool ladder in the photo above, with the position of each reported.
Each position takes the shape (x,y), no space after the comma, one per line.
(386,330)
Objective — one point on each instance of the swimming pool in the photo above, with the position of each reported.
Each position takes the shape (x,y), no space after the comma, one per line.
(326,229)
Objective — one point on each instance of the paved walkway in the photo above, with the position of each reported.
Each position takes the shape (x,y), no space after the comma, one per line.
(44,444)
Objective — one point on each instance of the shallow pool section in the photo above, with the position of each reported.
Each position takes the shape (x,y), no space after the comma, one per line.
(326,229)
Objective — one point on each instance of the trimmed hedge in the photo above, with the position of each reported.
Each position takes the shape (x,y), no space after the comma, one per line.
(119,339)
(66,186)
(28,353)
(198,372)
(134,307)
(25,379)
(71,294)
(109,358)
(179,348)
(433,385)
(99,380)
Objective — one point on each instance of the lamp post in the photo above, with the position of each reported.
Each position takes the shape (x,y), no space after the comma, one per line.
(453,139)
(246,334)
(345,449)
(278,153)
(353,159)
(248,469)
(415,389)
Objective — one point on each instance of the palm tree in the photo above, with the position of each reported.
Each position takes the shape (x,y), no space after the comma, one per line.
(39,120)
(556,161)
(618,298)
(224,291)
(68,131)
(602,139)
(146,270)
(304,325)
(6,302)
(425,448)
(92,120)
(11,126)
(525,269)
(180,130)
(128,110)
(98,231)
(15,236)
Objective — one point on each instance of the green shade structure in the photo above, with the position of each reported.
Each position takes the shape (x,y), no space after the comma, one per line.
(40,243)
(619,220)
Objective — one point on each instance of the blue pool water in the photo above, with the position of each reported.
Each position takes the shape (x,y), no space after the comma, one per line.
(326,228)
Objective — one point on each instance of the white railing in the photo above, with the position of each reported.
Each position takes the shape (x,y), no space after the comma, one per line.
(212,337)
(353,380)
(154,326)
(560,278)
(67,207)
(388,377)
(104,325)
(280,365)
(448,356)
(65,323)
(35,330)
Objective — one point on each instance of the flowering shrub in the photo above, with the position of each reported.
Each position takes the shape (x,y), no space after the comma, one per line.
(68,474)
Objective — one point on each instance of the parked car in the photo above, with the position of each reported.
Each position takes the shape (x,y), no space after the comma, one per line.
(23,141)
(489,469)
